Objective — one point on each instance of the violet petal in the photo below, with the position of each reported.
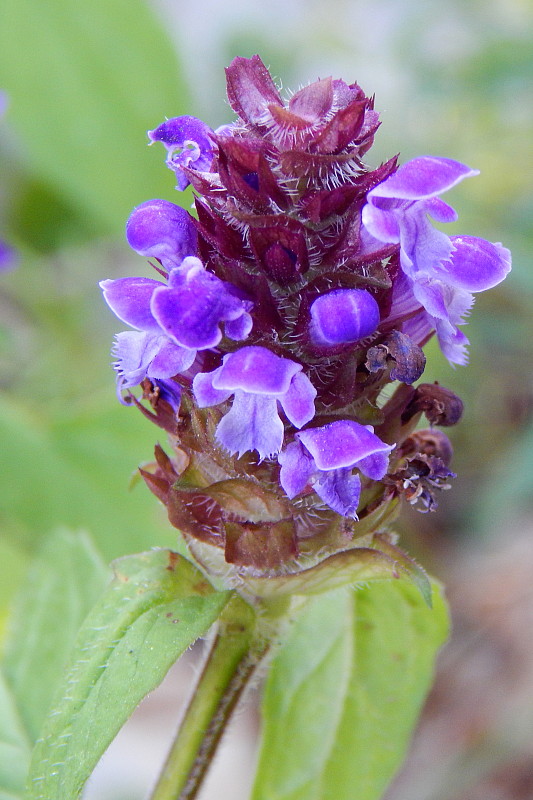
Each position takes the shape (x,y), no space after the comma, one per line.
(297,466)
(171,360)
(440,211)
(133,352)
(238,329)
(341,444)
(453,343)
(298,402)
(423,247)
(170,392)
(256,369)
(375,466)
(423,177)
(129,299)
(204,392)
(475,264)
(340,490)
(419,328)
(431,295)
(139,355)
(381,224)
(191,308)
(252,423)
(188,143)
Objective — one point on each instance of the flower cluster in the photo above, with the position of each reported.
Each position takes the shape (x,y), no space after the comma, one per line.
(304,285)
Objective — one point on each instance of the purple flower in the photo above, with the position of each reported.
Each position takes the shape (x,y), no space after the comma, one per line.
(188,143)
(397,210)
(173,321)
(325,457)
(443,271)
(139,355)
(259,380)
(194,304)
(189,310)
(9,257)
(343,316)
(160,229)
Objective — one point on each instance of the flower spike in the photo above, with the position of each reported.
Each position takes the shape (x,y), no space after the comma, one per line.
(283,339)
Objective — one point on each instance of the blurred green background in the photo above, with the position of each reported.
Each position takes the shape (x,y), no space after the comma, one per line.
(86,80)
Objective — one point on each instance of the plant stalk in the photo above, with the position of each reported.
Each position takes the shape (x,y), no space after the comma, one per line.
(233,657)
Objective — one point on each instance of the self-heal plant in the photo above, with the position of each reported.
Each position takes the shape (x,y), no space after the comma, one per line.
(280,348)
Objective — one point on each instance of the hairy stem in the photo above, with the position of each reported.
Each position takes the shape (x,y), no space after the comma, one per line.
(233,657)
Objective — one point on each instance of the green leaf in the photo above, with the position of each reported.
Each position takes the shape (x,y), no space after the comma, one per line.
(62,584)
(156,607)
(15,747)
(12,568)
(344,693)
(94,77)
(75,472)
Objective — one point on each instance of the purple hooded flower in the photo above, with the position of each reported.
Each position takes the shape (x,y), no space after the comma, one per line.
(188,142)
(139,355)
(192,307)
(173,321)
(443,271)
(325,457)
(189,310)
(259,380)
(160,229)
(343,316)
(397,210)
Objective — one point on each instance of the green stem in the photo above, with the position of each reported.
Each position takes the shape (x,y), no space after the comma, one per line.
(233,657)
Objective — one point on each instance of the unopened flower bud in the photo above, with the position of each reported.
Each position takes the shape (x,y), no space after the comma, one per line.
(162,230)
(343,316)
